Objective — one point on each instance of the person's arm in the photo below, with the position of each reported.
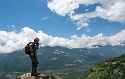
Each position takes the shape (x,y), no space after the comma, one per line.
(37,46)
(30,47)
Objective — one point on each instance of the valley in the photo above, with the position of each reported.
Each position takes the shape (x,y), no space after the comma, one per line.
(67,63)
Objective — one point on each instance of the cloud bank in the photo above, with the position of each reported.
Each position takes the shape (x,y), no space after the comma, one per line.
(11,41)
(113,10)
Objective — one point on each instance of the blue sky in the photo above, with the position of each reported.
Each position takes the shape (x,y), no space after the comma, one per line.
(30,13)
(67,19)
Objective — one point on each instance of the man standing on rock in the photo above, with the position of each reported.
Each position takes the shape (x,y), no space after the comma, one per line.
(33,46)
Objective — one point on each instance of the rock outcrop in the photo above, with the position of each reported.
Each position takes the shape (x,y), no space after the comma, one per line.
(41,76)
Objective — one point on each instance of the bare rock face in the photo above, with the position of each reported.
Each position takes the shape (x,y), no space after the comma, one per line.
(41,76)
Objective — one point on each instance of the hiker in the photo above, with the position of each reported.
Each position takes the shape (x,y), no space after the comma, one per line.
(33,46)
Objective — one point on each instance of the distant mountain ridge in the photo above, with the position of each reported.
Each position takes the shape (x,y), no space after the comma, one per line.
(50,57)
(110,49)
(3,55)
(62,61)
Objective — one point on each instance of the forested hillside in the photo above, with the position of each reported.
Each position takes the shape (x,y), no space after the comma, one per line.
(114,68)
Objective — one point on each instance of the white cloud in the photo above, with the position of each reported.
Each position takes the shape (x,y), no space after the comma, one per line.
(44,18)
(118,39)
(62,7)
(11,41)
(113,10)
(13,27)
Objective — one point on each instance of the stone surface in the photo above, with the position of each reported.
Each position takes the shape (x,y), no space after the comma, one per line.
(41,76)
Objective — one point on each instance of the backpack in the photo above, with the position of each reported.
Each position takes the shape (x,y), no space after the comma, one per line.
(27,48)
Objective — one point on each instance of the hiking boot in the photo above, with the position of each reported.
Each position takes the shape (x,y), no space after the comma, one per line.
(36,74)
(32,74)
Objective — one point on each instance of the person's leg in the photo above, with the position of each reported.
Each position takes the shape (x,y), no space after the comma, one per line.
(32,72)
(33,69)
(34,64)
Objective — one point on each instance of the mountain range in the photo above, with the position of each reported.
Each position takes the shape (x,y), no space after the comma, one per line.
(60,58)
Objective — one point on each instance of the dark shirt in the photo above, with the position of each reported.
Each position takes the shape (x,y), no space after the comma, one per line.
(34,48)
